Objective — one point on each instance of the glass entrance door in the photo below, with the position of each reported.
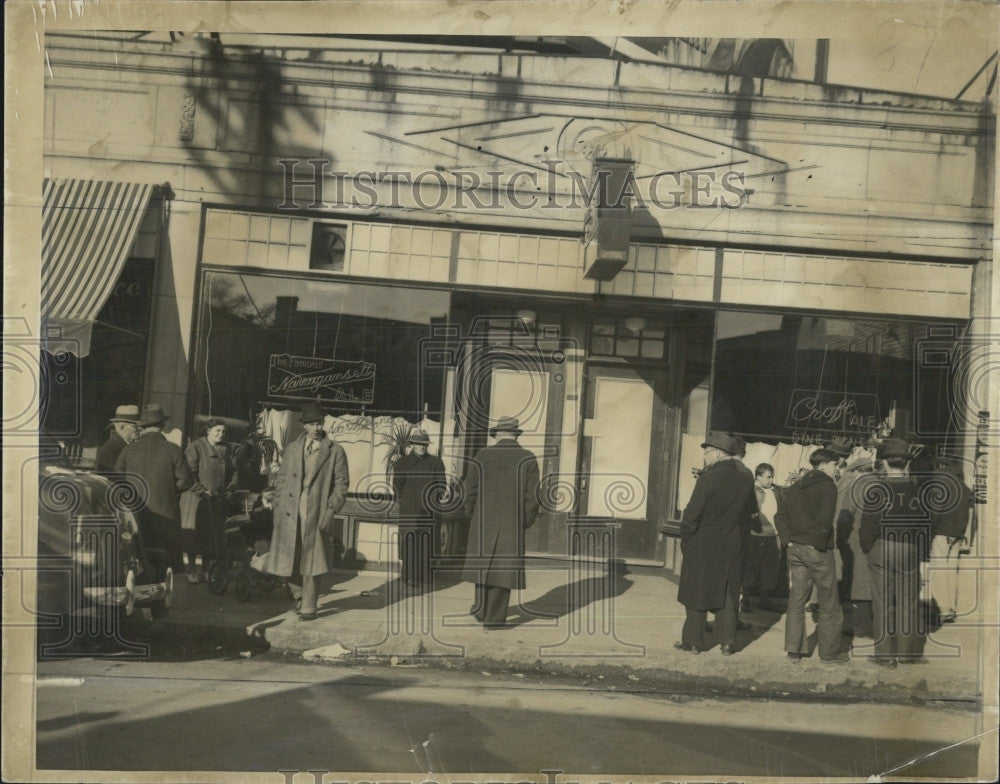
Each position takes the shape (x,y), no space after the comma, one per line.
(623,459)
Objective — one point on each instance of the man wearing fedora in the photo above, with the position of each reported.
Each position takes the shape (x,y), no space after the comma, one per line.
(501,502)
(894,534)
(160,474)
(418,480)
(723,506)
(310,489)
(125,429)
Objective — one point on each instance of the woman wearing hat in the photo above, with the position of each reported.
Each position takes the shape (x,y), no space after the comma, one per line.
(418,480)
(203,506)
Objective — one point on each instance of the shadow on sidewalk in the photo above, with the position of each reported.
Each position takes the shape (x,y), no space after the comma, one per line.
(566,599)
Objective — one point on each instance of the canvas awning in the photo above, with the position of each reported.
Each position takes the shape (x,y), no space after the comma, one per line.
(88,228)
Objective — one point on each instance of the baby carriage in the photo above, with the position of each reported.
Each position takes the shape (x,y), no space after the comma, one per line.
(245,541)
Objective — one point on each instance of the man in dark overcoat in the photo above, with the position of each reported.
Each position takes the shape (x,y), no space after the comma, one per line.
(501,501)
(722,507)
(310,489)
(158,471)
(418,480)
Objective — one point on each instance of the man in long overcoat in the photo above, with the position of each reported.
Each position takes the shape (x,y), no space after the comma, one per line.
(501,501)
(418,480)
(311,488)
(160,473)
(722,508)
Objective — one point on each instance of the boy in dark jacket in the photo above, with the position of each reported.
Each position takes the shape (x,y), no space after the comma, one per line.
(805,525)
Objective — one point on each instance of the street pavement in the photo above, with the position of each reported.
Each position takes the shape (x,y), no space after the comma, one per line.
(574,618)
(267,714)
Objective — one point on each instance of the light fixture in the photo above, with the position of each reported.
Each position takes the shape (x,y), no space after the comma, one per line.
(635,324)
(527,316)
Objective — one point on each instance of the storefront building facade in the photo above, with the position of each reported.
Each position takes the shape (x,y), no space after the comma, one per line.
(406,236)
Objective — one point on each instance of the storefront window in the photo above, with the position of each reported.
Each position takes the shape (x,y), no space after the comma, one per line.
(804,379)
(282,340)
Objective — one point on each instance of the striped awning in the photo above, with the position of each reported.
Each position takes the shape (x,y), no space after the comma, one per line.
(88,228)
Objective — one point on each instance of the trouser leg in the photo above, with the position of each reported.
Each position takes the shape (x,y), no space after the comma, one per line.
(478,610)
(830,617)
(911,628)
(800,588)
(497,603)
(693,632)
(726,618)
(309,594)
(881,591)
(770,559)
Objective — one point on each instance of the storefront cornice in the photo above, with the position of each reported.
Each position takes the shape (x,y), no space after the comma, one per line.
(713,98)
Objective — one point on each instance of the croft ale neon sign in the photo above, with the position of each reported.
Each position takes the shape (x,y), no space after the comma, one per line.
(810,409)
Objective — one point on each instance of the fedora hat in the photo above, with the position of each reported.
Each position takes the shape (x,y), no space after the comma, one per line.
(722,441)
(841,446)
(894,447)
(152,414)
(419,437)
(823,455)
(506,424)
(311,412)
(128,414)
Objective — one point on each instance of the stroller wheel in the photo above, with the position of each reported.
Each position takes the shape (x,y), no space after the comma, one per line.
(130,592)
(243,587)
(218,578)
(169,580)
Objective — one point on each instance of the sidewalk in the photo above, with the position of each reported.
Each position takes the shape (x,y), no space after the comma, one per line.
(629,635)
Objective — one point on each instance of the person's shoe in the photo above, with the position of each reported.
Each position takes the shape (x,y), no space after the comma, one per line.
(914,660)
(493,627)
(745,606)
(687,648)
(743,626)
(840,658)
(727,650)
(793,657)
(883,661)
(948,617)
(307,616)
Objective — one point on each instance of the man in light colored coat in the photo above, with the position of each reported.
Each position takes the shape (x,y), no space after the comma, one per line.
(311,488)
(501,500)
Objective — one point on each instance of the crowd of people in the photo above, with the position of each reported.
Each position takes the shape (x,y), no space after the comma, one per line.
(742,537)
(746,541)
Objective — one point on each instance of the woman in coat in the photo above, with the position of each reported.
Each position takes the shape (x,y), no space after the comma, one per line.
(203,506)
(311,488)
